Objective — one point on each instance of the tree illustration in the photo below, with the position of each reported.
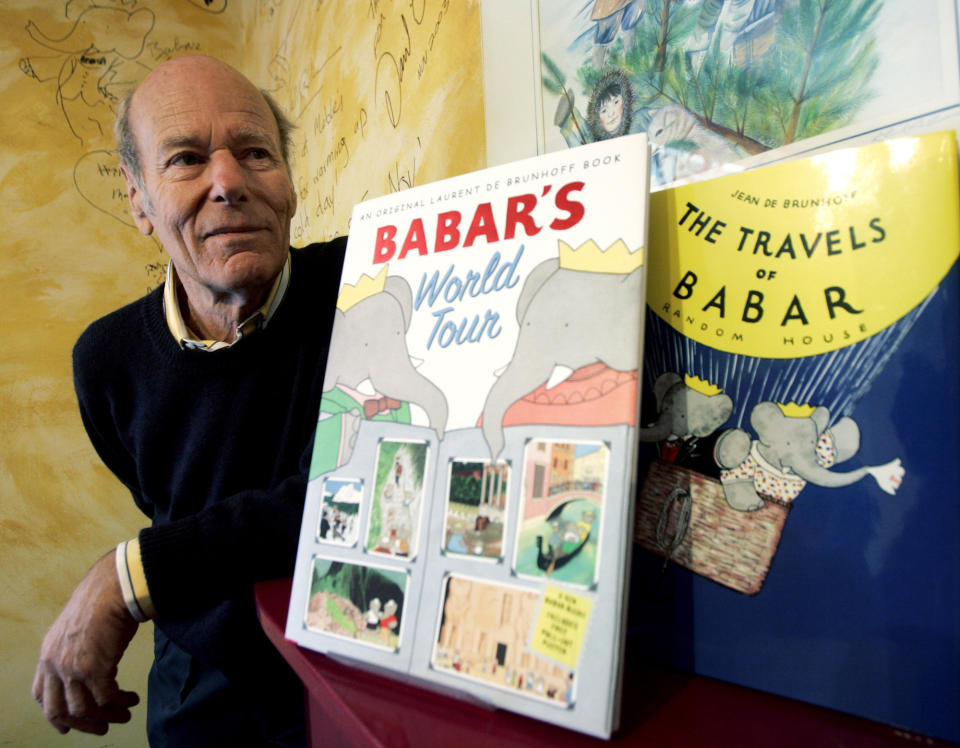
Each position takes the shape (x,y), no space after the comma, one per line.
(464,484)
(807,73)
(820,68)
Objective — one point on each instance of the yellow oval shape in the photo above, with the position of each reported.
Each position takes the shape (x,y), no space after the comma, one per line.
(809,256)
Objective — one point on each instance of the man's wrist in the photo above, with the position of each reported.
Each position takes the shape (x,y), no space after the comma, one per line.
(133,581)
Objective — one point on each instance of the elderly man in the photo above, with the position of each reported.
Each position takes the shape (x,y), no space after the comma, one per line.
(202,398)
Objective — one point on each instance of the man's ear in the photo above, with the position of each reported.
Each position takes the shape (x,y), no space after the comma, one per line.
(136,197)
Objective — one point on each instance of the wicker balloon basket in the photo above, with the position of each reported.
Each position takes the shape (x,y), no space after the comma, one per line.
(683,516)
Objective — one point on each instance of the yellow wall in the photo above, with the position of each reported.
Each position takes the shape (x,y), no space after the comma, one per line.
(384,94)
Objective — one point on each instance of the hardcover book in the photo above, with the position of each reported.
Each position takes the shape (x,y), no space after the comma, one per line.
(468,517)
(798,515)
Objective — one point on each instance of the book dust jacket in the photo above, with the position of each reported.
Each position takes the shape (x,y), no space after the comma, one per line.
(468,518)
(799,511)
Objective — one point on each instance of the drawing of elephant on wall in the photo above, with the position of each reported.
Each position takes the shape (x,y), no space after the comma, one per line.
(568,319)
(370,374)
(788,453)
(93,64)
(684,416)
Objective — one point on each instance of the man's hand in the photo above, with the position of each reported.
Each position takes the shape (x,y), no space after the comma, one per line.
(76,680)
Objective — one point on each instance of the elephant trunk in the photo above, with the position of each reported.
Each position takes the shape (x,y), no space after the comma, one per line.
(407,384)
(813,472)
(658,432)
(515,382)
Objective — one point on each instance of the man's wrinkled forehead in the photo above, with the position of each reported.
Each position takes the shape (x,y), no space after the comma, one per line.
(176,119)
(193,101)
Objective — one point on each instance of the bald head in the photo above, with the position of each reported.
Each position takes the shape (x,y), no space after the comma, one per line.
(181,69)
(207,175)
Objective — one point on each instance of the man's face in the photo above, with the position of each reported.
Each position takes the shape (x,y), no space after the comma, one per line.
(611,112)
(217,190)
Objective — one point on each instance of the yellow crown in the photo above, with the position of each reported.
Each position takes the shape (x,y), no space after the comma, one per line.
(701,385)
(792,410)
(617,258)
(365,287)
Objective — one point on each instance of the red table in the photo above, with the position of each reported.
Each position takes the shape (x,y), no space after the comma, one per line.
(661,707)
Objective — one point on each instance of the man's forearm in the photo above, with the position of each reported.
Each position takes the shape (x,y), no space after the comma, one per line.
(75,682)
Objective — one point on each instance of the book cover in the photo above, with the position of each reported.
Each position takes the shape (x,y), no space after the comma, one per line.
(798,515)
(469,513)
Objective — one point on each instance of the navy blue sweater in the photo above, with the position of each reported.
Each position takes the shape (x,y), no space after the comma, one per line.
(214,448)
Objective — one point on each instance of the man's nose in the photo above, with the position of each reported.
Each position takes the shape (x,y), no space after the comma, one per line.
(228,181)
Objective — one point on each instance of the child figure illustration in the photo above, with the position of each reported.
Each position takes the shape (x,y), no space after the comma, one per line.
(372,616)
(388,622)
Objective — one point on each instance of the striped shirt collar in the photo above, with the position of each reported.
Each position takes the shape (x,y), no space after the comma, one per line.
(187,339)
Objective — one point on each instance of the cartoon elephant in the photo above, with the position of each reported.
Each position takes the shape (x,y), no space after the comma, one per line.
(568,319)
(683,413)
(788,453)
(101,30)
(369,365)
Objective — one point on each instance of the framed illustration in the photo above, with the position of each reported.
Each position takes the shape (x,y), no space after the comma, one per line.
(394,528)
(341,500)
(476,508)
(484,633)
(564,485)
(359,602)
(718,85)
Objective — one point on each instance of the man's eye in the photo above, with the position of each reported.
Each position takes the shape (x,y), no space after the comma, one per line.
(185,159)
(258,154)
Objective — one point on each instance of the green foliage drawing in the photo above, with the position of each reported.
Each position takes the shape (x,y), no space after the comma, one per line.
(465,486)
(418,461)
(388,451)
(834,57)
(808,75)
(472,483)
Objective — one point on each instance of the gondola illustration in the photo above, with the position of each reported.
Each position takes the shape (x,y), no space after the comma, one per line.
(566,542)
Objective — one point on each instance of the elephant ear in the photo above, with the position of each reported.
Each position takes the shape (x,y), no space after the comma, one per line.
(399,289)
(532,284)
(665,382)
(821,417)
(732,448)
(765,418)
(846,438)
(706,414)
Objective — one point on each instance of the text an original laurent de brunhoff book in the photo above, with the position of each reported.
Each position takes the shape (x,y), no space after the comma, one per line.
(469,511)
